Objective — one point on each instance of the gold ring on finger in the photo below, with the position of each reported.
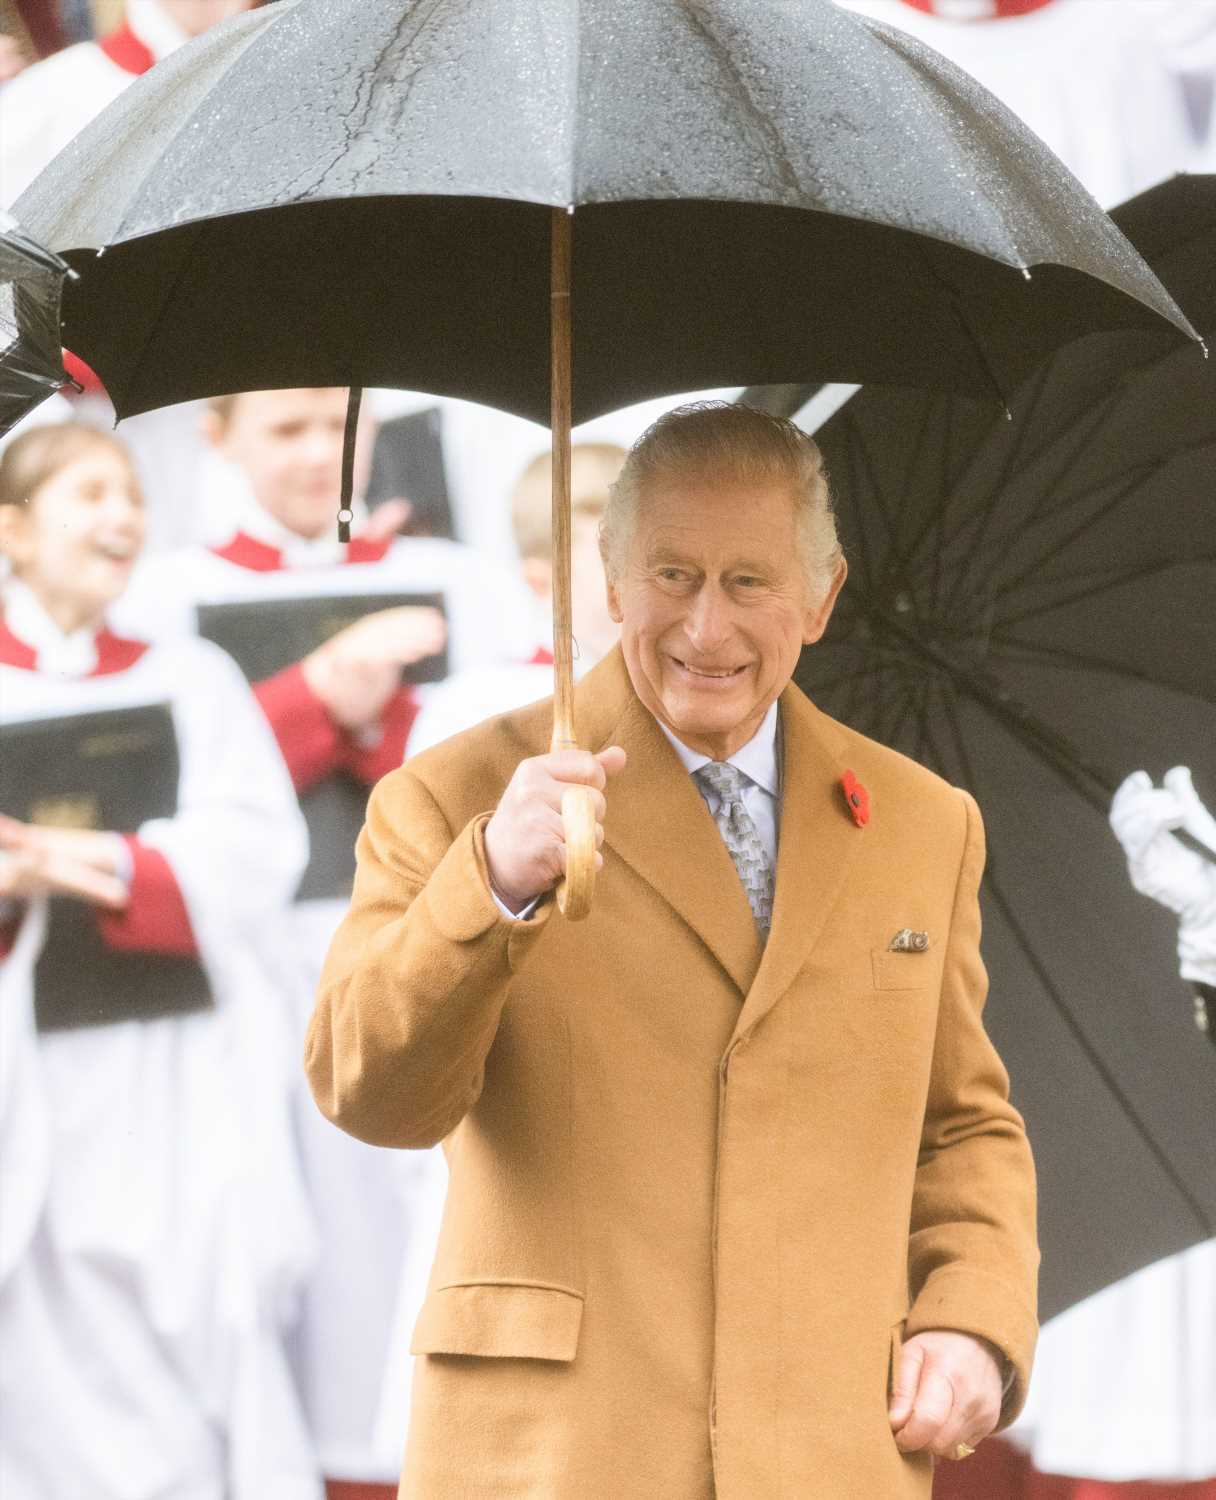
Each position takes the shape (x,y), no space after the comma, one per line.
(962,1450)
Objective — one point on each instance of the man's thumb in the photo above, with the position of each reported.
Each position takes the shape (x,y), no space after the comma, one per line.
(907,1378)
(612,759)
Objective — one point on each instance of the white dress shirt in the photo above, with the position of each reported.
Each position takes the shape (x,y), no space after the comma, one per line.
(760,762)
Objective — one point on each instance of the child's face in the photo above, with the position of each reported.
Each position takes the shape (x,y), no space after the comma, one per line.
(80,533)
(289,444)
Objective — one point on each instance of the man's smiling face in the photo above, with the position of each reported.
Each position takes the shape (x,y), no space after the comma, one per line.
(714,607)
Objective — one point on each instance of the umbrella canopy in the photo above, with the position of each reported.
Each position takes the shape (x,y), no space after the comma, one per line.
(359,192)
(31,360)
(1031,611)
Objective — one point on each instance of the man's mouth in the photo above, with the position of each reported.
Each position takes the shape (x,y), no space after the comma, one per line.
(711,674)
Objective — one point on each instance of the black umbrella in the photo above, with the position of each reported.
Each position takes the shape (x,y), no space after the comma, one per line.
(1031,611)
(31,359)
(380,192)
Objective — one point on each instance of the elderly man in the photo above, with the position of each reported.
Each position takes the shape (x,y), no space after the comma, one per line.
(738,1204)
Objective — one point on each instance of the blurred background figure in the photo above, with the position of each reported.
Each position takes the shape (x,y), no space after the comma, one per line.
(1121,90)
(468,697)
(40,113)
(155,1232)
(340,641)
(59,95)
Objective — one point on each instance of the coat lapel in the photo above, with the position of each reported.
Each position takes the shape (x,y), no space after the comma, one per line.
(660,826)
(818,842)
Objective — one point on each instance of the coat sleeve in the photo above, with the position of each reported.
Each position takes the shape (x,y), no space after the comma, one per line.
(973,1251)
(416,976)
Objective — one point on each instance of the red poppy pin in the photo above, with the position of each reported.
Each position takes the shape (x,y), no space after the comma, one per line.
(857,798)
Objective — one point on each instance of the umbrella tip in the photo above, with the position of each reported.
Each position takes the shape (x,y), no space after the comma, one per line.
(1026,276)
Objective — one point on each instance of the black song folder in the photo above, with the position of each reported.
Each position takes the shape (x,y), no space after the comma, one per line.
(266,636)
(112,769)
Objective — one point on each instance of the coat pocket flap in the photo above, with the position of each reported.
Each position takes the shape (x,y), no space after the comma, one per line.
(504,1320)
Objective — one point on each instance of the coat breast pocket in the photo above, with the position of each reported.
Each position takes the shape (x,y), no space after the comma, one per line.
(902,971)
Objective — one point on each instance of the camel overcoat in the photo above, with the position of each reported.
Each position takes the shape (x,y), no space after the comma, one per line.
(701,1188)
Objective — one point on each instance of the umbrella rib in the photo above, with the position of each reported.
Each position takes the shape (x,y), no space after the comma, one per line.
(1049,987)
(998,489)
(1075,661)
(1133,479)
(1112,580)
(1106,1073)
(877,491)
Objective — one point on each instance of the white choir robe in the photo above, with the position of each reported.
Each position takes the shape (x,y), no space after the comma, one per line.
(155,1232)
(377,1210)
(1100,82)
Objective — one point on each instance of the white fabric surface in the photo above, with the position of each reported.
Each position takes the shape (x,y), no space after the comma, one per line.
(1124,1384)
(1099,80)
(377,1214)
(156,1232)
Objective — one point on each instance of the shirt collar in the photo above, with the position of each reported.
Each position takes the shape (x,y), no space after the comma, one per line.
(60,655)
(297,551)
(155,28)
(757,759)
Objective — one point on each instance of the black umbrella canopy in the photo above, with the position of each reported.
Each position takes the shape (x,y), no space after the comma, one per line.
(1031,611)
(359,191)
(31,360)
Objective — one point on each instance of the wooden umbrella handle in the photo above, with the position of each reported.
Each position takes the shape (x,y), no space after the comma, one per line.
(578,807)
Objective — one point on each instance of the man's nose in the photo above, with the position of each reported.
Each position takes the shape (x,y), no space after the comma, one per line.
(707,624)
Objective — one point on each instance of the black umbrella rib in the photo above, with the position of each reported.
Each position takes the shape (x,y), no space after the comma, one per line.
(1107,1075)
(1077,661)
(1133,479)
(1053,994)
(1014,441)
(1108,582)
(859,452)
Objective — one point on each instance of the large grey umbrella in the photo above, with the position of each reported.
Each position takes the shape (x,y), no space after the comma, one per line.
(1031,611)
(385,192)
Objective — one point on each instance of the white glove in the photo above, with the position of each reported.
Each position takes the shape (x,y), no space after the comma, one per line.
(1163,868)
(1196,819)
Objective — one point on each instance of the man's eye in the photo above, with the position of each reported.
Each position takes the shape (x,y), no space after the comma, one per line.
(671,575)
(747,582)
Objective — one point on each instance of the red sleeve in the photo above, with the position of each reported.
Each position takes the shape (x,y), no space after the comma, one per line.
(311,743)
(155,919)
(369,763)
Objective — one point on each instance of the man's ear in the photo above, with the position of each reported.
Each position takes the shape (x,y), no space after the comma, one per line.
(817,616)
(614,598)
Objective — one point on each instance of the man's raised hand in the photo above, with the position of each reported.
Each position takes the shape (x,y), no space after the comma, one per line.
(525,840)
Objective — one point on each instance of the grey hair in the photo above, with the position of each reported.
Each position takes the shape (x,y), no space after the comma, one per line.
(721,440)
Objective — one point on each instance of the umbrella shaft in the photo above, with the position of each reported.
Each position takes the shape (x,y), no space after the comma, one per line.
(559,422)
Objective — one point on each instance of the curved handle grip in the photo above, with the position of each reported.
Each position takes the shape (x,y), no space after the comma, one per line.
(576,889)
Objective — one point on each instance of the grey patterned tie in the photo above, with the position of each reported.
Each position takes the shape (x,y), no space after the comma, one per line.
(740,837)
